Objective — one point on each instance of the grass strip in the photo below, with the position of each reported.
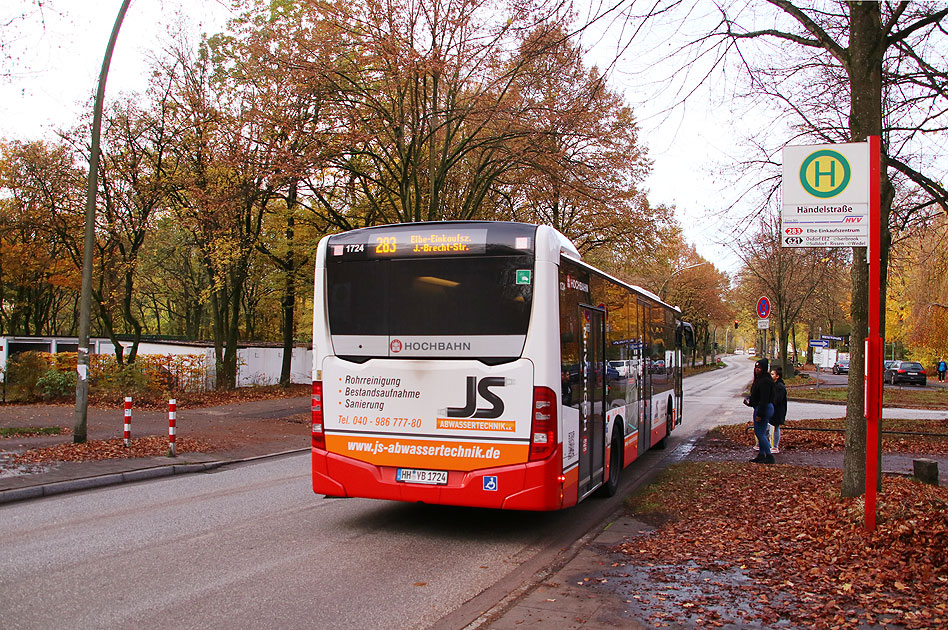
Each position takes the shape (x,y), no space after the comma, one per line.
(7,432)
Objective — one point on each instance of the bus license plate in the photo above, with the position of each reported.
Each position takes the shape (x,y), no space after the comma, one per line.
(414,475)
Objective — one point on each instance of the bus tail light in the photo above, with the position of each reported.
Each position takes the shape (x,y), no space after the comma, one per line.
(319,437)
(543,425)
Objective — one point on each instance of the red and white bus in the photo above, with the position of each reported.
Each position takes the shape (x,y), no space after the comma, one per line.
(483,364)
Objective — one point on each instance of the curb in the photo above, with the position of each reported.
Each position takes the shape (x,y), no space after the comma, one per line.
(838,403)
(114,479)
(843,403)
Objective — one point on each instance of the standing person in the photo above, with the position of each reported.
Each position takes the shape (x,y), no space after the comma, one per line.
(942,368)
(780,405)
(761,399)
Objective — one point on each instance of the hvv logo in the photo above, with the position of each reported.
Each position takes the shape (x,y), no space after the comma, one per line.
(482,388)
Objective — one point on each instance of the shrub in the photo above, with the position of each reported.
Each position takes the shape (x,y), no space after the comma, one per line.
(32,376)
(110,380)
(56,385)
(174,373)
(24,370)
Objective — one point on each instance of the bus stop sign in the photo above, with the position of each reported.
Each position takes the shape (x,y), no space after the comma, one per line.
(763,307)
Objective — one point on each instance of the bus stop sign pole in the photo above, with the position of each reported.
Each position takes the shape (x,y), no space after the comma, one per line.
(873,382)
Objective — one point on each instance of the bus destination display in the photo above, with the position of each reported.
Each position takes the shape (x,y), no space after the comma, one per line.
(388,244)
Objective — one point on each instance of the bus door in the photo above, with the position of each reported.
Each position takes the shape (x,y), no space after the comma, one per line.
(592,418)
(645,380)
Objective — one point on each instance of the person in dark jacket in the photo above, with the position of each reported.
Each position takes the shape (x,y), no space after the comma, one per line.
(780,405)
(761,399)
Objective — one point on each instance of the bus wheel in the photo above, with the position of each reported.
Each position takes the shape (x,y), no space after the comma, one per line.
(615,466)
(669,415)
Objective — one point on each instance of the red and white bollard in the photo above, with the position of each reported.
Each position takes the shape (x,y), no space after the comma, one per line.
(128,421)
(172,425)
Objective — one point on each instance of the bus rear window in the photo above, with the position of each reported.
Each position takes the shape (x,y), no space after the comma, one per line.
(456,297)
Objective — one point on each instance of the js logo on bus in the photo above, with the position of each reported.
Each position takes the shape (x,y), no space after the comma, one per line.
(482,388)
(825,173)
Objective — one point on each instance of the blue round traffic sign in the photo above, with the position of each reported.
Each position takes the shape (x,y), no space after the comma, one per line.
(763,307)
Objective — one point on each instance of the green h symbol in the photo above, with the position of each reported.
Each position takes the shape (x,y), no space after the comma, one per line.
(817,173)
(811,174)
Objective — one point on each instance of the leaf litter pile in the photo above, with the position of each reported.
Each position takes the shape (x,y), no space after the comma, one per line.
(776,547)
(95,450)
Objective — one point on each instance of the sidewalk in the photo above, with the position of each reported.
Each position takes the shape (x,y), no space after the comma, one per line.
(586,592)
(244,431)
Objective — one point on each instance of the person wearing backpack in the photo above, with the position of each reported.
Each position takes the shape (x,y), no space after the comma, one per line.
(942,368)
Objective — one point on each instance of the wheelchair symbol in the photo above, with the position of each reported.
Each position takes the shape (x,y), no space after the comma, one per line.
(490,484)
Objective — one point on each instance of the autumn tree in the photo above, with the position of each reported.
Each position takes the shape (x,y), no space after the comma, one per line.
(828,309)
(581,164)
(921,274)
(700,290)
(444,103)
(277,58)
(789,277)
(221,193)
(40,207)
(137,175)
(396,111)
(173,283)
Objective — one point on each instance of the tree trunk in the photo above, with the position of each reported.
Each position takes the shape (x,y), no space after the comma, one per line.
(866,48)
(289,290)
(854,457)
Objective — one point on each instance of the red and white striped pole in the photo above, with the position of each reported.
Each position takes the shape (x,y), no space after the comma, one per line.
(128,421)
(172,425)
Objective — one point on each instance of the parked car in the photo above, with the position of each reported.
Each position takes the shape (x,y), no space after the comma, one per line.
(910,372)
(622,367)
(611,372)
(841,366)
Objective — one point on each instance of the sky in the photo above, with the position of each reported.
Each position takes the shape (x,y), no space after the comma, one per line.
(57,56)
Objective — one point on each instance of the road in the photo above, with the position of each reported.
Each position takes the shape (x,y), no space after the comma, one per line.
(251,546)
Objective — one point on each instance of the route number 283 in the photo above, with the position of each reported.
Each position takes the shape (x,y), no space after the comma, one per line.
(385,244)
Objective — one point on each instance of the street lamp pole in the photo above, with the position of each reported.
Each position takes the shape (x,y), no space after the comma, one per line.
(85,297)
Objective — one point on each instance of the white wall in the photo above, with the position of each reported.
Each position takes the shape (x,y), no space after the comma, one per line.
(255,365)
(261,366)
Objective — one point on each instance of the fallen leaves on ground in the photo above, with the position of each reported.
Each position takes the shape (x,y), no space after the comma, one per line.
(751,544)
(817,435)
(95,450)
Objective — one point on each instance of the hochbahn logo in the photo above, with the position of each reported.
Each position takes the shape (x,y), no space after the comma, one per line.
(573,283)
(825,173)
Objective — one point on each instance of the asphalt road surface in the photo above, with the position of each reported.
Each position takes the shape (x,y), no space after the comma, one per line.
(251,546)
